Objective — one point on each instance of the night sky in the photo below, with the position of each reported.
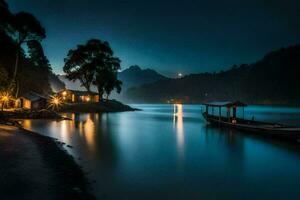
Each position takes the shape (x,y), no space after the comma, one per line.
(185,36)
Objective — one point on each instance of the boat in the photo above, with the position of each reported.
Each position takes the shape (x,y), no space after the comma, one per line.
(231,120)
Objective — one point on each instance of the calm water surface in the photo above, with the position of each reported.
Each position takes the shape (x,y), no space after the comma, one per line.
(168,152)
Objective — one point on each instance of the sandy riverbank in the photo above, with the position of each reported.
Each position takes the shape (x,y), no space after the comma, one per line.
(35,167)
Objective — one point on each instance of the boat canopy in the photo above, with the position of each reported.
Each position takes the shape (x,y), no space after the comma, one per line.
(227,104)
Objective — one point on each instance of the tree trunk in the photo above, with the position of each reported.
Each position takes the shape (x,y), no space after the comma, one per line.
(18,89)
(20,41)
(16,63)
(14,80)
(100,93)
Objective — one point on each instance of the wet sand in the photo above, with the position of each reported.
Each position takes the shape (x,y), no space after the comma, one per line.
(35,167)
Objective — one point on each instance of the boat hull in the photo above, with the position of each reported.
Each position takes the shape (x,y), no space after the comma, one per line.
(256,127)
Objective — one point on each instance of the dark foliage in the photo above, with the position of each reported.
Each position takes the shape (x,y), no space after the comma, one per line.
(94,63)
(33,69)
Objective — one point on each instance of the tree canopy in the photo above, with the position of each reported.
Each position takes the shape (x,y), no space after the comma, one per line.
(5,15)
(26,27)
(4,79)
(17,29)
(94,63)
(37,56)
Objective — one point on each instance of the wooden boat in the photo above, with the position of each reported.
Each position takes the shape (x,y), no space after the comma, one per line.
(259,128)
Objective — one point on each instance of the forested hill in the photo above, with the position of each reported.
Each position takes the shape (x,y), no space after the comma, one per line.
(275,79)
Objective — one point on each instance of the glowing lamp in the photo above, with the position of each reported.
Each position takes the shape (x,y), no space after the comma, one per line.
(5,98)
(55,102)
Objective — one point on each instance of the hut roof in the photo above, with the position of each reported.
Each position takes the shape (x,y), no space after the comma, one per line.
(226,104)
(33,96)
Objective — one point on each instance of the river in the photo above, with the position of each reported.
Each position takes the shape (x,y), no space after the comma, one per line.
(169,152)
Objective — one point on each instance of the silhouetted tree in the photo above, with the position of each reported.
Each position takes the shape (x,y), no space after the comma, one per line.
(106,78)
(23,28)
(32,68)
(37,56)
(93,63)
(5,15)
(40,63)
(3,4)
(113,84)
(4,79)
(234,67)
(79,65)
(107,81)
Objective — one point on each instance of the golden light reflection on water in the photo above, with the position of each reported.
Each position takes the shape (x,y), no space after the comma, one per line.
(73,116)
(27,124)
(85,128)
(65,130)
(178,124)
(88,132)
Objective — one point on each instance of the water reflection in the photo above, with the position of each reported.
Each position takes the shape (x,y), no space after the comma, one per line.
(178,124)
(27,124)
(89,136)
(233,148)
(88,131)
(168,152)
(65,128)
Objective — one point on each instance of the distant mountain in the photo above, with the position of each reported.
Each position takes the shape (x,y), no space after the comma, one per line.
(74,85)
(134,76)
(272,80)
(55,83)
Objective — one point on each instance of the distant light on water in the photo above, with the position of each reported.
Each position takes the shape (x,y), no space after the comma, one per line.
(178,123)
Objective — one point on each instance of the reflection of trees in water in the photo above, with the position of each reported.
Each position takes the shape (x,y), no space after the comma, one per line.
(105,154)
(76,119)
(106,149)
(225,135)
(94,130)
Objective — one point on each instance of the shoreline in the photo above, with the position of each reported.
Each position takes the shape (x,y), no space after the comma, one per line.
(202,103)
(110,106)
(65,180)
